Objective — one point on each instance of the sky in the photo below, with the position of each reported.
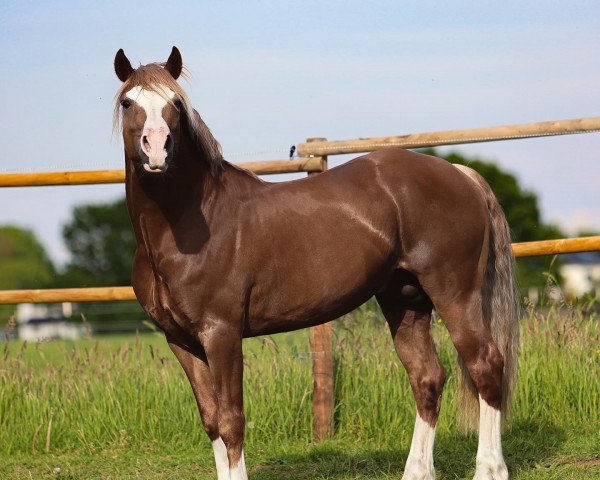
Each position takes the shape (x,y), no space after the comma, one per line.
(267,75)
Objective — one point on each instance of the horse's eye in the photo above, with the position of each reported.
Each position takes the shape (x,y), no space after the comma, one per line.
(178,104)
(125,104)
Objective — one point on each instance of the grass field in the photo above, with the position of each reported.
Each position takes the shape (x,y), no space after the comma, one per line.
(121,408)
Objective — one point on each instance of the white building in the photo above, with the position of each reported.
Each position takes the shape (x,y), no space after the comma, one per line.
(37,322)
(581,274)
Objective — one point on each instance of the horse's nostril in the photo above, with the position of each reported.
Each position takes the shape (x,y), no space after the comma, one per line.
(168,143)
(145,143)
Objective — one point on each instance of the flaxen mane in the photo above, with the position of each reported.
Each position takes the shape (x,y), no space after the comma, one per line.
(155,78)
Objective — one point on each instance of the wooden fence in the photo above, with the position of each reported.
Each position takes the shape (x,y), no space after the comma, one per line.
(313,159)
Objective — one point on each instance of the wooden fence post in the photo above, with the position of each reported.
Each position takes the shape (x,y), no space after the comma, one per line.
(321,338)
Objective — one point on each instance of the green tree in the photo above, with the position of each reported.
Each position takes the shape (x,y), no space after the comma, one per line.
(102,244)
(588,233)
(23,264)
(522,213)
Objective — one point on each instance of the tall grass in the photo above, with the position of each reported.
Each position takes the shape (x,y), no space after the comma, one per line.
(103,394)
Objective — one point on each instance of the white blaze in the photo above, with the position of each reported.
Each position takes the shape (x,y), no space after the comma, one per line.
(490,462)
(155,130)
(419,464)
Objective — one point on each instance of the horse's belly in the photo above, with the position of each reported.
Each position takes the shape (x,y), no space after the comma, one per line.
(317,291)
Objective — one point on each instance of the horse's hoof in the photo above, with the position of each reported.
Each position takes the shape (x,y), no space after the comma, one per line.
(491,469)
(418,471)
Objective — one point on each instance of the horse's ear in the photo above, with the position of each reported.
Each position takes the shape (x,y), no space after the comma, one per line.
(174,63)
(123,67)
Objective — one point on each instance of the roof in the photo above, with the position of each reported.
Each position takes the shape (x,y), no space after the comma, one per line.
(582,258)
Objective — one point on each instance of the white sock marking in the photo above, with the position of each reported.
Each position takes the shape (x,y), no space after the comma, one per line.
(419,465)
(490,462)
(239,471)
(221,460)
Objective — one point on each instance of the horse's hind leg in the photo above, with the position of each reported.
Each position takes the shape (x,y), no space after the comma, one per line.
(410,328)
(193,361)
(473,341)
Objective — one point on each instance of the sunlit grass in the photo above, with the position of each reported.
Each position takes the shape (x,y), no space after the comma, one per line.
(129,394)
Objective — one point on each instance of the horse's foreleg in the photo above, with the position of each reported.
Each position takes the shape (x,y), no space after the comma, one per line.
(412,339)
(223,347)
(195,365)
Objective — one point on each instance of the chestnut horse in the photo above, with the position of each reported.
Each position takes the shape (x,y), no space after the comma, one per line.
(222,255)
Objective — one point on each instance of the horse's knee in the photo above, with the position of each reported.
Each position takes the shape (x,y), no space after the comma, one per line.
(428,393)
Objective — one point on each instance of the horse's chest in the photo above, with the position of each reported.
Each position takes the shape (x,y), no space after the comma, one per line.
(155,296)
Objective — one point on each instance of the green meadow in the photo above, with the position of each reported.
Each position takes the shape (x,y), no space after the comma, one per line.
(121,407)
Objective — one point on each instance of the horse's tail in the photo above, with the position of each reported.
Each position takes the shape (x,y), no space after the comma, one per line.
(501,309)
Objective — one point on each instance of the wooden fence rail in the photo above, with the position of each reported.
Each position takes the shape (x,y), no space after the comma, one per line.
(553,247)
(309,164)
(453,137)
(60,295)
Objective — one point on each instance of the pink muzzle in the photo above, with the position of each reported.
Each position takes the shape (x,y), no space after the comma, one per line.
(155,144)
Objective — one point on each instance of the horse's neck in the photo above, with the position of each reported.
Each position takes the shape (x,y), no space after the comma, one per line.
(186,201)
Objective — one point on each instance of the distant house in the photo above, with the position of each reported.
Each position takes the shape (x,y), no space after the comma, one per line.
(581,274)
(41,322)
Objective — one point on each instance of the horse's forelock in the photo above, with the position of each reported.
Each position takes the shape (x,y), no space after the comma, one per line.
(155,78)
(152,77)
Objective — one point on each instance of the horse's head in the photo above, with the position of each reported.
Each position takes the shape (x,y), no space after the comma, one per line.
(151,106)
